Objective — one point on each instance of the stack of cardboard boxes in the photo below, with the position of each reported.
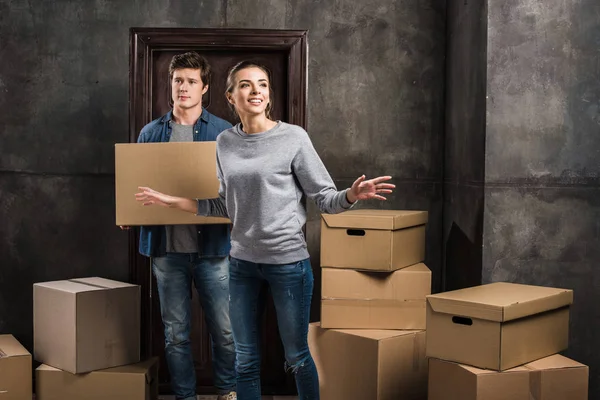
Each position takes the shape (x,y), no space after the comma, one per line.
(500,341)
(370,342)
(87,337)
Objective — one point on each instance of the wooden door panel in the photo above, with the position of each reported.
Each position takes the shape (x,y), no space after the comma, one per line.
(151,50)
(221,61)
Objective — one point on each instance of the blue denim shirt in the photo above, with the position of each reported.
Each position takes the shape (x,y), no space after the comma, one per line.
(213,240)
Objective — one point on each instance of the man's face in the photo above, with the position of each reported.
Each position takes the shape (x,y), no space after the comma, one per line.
(187,88)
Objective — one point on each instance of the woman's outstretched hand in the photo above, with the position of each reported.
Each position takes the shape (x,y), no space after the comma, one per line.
(369,189)
(150,196)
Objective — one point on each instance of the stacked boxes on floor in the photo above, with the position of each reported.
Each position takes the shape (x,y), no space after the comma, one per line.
(500,341)
(15,369)
(370,342)
(87,337)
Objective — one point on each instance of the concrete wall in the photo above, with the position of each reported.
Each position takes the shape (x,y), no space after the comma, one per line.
(375,106)
(542,159)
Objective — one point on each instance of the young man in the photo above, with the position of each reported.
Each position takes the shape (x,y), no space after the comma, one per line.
(182,254)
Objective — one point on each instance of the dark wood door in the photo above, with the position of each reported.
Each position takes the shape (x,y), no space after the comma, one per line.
(284,53)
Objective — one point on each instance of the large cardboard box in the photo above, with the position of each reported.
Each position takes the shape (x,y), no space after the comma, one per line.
(15,370)
(377,240)
(369,364)
(186,169)
(375,300)
(551,378)
(82,325)
(131,382)
(499,325)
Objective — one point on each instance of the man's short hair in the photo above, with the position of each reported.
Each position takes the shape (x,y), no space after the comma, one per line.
(191,60)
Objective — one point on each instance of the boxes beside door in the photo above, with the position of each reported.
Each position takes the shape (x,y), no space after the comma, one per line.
(550,378)
(15,370)
(375,240)
(499,325)
(373,300)
(86,324)
(369,364)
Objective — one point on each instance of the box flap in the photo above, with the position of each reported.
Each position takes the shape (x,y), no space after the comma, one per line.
(375,219)
(479,371)
(79,285)
(500,301)
(412,282)
(376,334)
(10,347)
(103,283)
(553,362)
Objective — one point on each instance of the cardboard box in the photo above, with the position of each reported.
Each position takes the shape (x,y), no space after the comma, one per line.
(82,325)
(375,300)
(376,240)
(130,382)
(552,378)
(369,364)
(498,326)
(15,370)
(187,169)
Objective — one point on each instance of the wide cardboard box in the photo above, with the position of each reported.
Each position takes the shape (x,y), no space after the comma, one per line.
(369,364)
(82,325)
(377,240)
(375,300)
(499,325)
(186,169)
(131,382)
(551,378)
(15,370)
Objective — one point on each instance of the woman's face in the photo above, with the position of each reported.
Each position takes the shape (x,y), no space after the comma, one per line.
(250,94)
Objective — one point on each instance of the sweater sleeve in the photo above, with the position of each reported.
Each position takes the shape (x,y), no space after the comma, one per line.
(214,207)
(316,181)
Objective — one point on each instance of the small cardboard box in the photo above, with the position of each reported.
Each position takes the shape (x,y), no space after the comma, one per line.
(376,240)
(355,299)
(15,370)
(369,364)
(131,382)
(551,378)
(186,169)
(499,325)
(82,325)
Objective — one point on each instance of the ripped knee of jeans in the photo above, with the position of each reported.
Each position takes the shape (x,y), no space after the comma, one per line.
(293,368)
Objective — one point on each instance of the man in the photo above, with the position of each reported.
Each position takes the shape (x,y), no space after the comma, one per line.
(185,253)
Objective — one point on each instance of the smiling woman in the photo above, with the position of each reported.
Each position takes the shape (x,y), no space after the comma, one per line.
(264,168)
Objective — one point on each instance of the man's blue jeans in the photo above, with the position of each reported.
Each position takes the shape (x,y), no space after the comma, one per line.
(174,275)
(291,286)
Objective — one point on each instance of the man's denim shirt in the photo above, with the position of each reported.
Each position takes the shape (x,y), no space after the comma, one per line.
(213,240)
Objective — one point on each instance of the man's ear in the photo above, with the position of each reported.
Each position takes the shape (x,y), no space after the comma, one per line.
(205,89)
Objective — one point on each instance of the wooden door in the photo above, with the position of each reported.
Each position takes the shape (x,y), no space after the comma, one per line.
(284,53)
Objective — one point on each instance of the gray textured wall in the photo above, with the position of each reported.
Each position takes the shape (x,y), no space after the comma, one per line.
(542,196)
(375,106)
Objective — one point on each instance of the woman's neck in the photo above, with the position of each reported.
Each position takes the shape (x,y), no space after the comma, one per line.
(256,123)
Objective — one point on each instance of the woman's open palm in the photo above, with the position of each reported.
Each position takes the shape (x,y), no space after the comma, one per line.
(371,189)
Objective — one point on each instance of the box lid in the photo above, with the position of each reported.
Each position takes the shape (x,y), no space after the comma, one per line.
(10,347)
(83,285)
(500,301)
(376,219)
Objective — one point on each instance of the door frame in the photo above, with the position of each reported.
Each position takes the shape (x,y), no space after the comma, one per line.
(142,42)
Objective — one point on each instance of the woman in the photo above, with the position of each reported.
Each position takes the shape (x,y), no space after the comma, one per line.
(264,168)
